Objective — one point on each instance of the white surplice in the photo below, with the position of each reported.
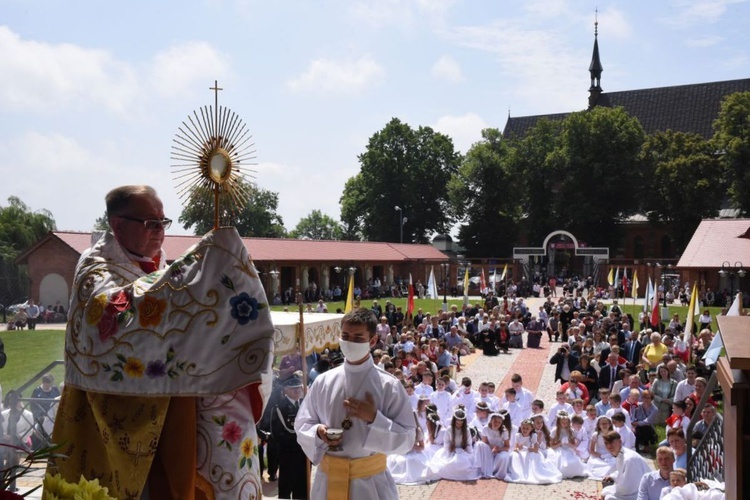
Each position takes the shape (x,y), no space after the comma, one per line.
(392,432)
(629,469)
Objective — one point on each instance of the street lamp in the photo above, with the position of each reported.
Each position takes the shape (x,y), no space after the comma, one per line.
(446,267)
(401,219)
(728,270)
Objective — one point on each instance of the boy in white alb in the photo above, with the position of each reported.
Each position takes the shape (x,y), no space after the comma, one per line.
(628,438)
(512,406)
(562,404)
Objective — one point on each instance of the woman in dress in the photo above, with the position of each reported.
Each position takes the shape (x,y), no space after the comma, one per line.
(412,468)
(654,352)
(481,416)
(600,460)
(527,465)
(496,435)
(455,461)
(435,434)
(563,448)
(422,412)
(542,434)
(663,389)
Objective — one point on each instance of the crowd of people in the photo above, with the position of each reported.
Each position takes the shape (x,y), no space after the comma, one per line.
(616,386)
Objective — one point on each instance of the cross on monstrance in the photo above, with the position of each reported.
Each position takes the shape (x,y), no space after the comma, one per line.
(213,149)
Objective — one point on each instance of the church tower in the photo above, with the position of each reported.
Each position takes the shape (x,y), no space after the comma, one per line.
(595,69)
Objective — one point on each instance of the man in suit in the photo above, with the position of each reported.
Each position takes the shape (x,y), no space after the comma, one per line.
(604,355)
(418,318)
(632,349)
(610,372)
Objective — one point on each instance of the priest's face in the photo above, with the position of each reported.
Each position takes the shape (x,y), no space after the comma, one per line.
(130,230)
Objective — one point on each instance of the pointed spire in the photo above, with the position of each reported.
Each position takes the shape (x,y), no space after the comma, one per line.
(595,68)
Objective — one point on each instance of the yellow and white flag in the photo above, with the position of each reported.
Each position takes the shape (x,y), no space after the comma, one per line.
(635,285)
(690,318)
(611,276)
(350,294)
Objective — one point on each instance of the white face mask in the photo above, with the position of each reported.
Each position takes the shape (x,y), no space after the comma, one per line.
(354,351)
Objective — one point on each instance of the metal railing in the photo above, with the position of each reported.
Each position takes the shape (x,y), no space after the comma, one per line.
(38,429)
(706,461)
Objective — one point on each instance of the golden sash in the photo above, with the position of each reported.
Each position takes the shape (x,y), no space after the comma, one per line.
(342,470)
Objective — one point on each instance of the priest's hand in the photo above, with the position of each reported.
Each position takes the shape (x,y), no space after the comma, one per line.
(323,435)
(363,410)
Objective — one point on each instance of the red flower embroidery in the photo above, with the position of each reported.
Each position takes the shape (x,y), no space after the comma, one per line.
(231,432)
(119,302)
(107,326)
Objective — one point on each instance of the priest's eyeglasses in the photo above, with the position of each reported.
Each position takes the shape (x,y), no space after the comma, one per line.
(151,224)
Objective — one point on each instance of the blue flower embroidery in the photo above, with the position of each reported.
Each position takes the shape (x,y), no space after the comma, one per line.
(244,308)
(156,368)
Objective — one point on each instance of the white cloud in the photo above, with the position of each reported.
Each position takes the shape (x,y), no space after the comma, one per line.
(50,77)
(328,76)
(176,70)
(465,129)
(698,12)
(704,41)
(43,76)
(615,23)
(547,8)
(446,68)
(64,176)
(302,189)
(404,13)
(546,73)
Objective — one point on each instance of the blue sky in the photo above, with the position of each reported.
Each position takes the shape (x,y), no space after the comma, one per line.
(93,92)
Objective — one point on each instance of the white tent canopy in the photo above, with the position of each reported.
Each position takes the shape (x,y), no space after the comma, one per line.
(321,331)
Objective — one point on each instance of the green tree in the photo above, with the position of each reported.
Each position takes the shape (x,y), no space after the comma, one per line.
(538,179)
(685,182)
(732,137)
(102,223)
(317,226)
(352,209)
(483,195)
(257,218)
(597,173)
(20,228)
(406,168)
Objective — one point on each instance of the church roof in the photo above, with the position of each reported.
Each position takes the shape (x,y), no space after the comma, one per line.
(717,241)
(280,249)
(681,108)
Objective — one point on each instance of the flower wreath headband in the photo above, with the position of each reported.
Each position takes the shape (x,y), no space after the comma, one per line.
(563,414)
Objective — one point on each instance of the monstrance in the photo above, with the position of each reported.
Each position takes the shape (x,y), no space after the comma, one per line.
(212,149)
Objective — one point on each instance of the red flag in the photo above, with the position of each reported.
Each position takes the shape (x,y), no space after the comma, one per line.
(482,284)
(410,300)
(655,312)
(624,284)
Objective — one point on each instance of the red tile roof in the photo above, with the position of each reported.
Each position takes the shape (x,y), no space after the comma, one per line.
(717,241)
(273,249)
